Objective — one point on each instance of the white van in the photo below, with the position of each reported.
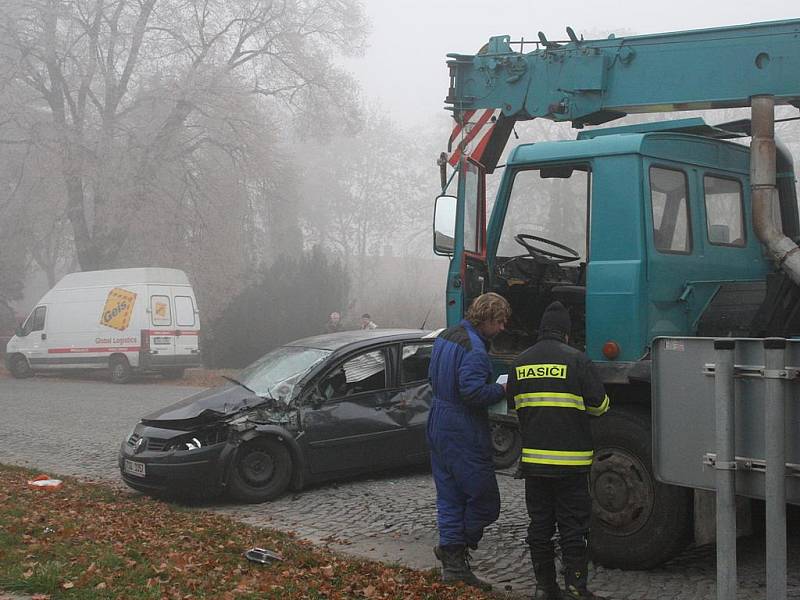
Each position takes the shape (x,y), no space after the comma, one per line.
(124,320)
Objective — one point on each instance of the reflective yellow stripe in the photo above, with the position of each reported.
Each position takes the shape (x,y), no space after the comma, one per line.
(596,411)
(556,399)
(565,458)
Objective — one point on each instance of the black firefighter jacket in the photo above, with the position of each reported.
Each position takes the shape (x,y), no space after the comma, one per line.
(555,390)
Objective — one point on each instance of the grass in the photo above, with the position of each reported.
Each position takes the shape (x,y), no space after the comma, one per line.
(88,541)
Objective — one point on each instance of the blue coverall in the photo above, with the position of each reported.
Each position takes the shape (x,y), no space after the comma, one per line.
(467,497)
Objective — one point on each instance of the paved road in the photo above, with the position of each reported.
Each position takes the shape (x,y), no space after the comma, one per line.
(74,427)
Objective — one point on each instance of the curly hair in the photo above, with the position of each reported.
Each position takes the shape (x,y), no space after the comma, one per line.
(488,307)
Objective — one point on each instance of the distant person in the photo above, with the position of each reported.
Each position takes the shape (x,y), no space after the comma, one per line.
(334,323)
(460,442)
(367,322)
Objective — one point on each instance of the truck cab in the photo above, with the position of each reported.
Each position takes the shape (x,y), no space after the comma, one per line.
(640,231)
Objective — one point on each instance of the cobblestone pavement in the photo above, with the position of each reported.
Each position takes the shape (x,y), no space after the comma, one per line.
(74,427)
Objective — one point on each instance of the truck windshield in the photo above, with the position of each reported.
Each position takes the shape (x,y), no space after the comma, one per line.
(548,202)
(276,373)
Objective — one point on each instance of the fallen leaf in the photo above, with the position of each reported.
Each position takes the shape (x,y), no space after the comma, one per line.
(67,585)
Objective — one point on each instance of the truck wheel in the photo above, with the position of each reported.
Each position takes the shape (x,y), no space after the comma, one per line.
(261,471)
(507,444)
(637,523)
(19,366)
(121,371)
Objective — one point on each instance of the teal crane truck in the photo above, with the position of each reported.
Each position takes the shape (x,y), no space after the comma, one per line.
(666,228)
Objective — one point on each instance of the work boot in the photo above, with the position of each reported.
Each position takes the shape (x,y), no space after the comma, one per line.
(546,583)
(575,579)
(455,566)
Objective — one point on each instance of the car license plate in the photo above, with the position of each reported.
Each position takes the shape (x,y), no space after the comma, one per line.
(135,468)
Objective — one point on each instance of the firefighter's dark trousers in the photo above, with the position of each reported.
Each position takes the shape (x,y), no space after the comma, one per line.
(562,501)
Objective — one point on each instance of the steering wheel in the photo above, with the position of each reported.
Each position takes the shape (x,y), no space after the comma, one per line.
(542,255)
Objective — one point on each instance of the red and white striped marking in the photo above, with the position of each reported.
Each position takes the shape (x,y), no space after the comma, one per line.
(93,349)
(473,134)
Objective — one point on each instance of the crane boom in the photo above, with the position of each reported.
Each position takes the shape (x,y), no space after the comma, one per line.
(592,82)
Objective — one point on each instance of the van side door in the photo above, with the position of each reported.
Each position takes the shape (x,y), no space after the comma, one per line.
(187,330)
(162,324)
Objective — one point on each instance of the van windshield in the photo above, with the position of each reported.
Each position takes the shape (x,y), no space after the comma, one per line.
(275,374)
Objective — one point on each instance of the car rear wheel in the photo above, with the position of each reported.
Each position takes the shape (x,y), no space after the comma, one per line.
(19,367)
(261,471)
(121,371)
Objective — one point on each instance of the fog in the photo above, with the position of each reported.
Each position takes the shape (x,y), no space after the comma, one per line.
(217,138)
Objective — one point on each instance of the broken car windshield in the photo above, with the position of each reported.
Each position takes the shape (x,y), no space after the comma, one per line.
(275,374)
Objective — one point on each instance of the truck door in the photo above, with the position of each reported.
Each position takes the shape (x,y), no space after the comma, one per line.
(672,251)
(468,272)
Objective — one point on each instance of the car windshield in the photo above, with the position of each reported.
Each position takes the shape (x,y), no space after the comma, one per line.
(276,373)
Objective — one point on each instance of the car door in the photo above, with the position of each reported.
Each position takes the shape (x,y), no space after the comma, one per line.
(415,358)
(350,420)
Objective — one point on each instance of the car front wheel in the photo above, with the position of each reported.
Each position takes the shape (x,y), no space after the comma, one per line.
(261,472)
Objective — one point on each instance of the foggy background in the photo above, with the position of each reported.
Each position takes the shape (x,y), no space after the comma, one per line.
(282,154)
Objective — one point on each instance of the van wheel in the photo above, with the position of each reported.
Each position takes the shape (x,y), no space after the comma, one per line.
(261,471)
(176,373)
(121,371)
(19,367)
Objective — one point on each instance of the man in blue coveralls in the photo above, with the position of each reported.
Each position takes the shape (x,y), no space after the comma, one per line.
(467,497)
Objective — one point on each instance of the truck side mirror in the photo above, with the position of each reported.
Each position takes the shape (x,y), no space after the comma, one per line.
(444,225)
(18,331)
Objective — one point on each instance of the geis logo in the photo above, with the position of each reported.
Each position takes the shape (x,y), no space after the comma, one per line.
(118,309)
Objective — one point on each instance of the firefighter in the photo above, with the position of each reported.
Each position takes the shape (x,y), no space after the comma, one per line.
(555,390)
(467,496)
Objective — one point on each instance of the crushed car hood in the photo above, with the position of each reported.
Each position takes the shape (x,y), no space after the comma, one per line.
(208,405)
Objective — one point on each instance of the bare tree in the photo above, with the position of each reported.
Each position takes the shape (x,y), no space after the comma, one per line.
(100,69)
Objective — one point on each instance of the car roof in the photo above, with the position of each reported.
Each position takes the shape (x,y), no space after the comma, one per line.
(359,337)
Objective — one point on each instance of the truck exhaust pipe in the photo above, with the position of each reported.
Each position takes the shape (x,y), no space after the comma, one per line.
(762,187)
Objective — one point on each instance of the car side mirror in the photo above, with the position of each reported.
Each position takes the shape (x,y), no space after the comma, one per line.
(444,225)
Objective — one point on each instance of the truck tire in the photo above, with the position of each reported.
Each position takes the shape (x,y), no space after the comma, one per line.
(637,522)
(121,371)
(261,471)
(19,366)
(506,443)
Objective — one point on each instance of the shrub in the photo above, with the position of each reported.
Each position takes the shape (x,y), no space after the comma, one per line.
(288,300)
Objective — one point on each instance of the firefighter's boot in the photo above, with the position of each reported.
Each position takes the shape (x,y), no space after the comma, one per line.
(575,579)
(455,566)
(546,582)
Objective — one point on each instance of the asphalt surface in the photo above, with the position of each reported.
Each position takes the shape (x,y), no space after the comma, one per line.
(74,427)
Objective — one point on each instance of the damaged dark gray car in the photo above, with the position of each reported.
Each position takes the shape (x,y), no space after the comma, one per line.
(319,408)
